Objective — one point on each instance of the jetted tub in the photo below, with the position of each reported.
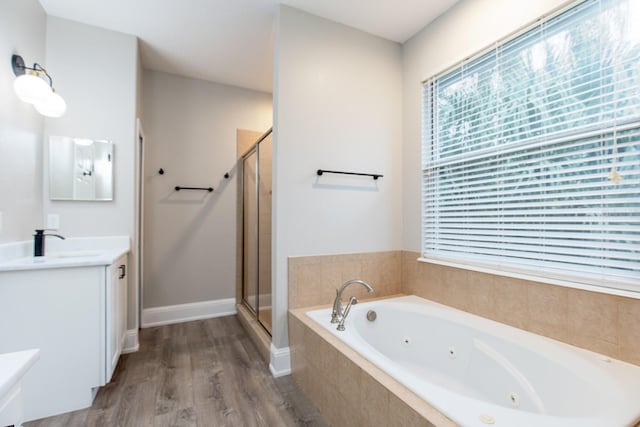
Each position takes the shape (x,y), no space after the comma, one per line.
(479,372)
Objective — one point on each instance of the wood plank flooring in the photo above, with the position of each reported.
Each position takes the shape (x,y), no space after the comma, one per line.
(201,373)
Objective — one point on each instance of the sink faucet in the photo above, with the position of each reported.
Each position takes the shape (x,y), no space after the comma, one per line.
(38,241)
(337,313)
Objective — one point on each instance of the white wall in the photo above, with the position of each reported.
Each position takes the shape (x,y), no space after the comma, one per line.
(95,71)
(337,101)
(190,236)
(466,29)
(22,31)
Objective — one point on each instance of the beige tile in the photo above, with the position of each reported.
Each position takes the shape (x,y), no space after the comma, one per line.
(375,402)
(594,315)
(372,271)
(331,275)
(481,294)
(300,260)
(432,284)
(331,409)
(349,270)
(594,344)
(347,411)
(391,268)
(456,283)
(510,301)
(400,414)
(548,305)
(296,331)
(349,376)
(321,371)
(410,271)
(550,331)
(297,344)
(305,285)
(629,329)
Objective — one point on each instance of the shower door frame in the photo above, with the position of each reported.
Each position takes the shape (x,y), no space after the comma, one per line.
(253,149)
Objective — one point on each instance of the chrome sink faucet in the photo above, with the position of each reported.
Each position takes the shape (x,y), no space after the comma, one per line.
(338,313)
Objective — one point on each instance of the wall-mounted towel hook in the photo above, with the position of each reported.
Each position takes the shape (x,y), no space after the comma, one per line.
(161,171)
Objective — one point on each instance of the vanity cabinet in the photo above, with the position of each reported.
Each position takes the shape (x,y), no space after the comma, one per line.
(76,316)
(116,311)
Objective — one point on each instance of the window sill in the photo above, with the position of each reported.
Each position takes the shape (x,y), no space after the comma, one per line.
(533,278)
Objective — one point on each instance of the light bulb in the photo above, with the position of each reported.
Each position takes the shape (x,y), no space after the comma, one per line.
(53,106)
(31,88)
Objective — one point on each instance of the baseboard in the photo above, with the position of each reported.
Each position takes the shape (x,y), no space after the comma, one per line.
(170,314)
(131,342)
(280,361)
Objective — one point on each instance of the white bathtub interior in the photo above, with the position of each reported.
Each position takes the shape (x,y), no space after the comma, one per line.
(477,371)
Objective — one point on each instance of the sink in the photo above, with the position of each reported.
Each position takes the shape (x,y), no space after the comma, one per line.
(75,254)
(55,258)
(72,252)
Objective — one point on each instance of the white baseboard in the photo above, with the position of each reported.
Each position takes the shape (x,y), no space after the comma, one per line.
(131,342)
(170,314)
(280,361)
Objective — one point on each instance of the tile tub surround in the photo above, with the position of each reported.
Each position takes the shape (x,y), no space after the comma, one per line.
(348,389)
(313,279)
(606,324)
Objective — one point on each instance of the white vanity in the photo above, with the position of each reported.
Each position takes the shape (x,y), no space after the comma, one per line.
(72,305)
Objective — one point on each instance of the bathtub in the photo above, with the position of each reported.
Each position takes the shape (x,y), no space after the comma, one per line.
(479,372)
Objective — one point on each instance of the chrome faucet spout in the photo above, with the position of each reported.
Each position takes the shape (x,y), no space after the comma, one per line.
(337,312)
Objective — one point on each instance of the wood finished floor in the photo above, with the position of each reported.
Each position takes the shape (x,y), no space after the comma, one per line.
(202,373)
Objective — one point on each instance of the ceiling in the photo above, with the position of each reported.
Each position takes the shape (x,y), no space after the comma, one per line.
(231,41)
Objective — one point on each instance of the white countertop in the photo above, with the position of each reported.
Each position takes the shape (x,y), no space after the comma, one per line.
(64,260)
(13,366)
(73,252)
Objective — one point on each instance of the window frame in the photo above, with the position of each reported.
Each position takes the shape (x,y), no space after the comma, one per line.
(428,114)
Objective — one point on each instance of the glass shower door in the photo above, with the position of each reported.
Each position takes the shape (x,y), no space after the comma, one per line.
(250,231)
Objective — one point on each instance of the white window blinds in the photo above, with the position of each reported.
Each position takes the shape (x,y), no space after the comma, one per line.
(531,152)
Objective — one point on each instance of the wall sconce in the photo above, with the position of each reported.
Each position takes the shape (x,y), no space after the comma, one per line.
(31,88)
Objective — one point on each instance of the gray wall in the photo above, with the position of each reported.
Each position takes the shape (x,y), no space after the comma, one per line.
(22,31)
(337,101)
(190,236)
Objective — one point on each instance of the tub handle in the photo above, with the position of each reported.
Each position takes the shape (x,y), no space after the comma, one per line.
(352,301)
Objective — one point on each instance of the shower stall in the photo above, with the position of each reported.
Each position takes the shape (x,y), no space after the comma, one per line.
(256,229)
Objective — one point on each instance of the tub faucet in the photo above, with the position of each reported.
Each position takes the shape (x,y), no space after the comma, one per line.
(347,309)
(337,313)
(38,242)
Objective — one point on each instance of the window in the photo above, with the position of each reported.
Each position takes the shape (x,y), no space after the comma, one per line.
(531,152)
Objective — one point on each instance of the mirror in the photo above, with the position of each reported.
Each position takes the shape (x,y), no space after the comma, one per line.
(80,169)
